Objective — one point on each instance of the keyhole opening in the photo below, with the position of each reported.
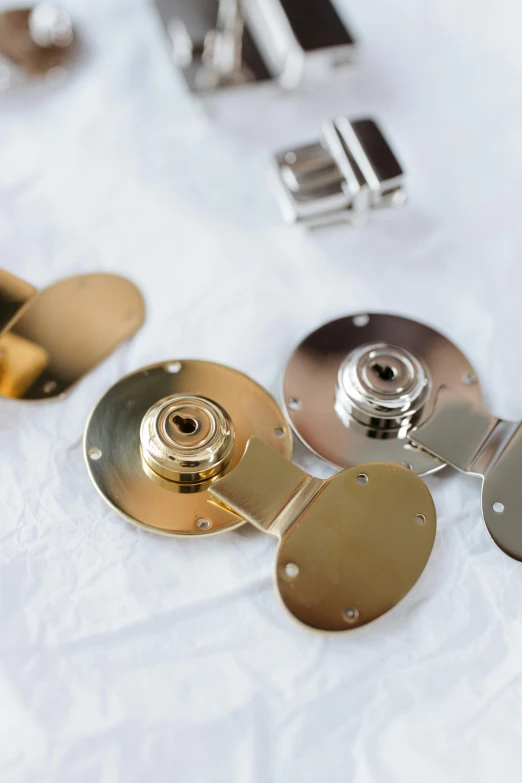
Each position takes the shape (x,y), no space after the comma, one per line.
(385,372)
(185,424)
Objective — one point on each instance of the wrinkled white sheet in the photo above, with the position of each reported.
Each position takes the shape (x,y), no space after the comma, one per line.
(128,657)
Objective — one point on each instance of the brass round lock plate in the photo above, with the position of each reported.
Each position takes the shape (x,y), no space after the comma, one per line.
(356,387)
(359,549)
(160,437)
(36,39)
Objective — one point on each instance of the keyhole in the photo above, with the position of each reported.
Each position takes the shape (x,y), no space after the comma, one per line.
(385,372)
(185,424)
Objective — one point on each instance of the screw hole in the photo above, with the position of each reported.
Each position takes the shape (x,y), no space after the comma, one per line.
(185,424)
(362,478)
(203,524)
(384,372)
(498,508)
(361,320)
(420,519)
(294,404)
(279,432)
(49,386)
(291,570)
(351,614)
(94,454)
(173,367)
(469,378)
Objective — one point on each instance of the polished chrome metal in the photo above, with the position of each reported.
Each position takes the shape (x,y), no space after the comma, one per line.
(160,438)
(350,170)
(355,388)
(33,42)
(351,547)
(466,436)
(229,43)
(50,340)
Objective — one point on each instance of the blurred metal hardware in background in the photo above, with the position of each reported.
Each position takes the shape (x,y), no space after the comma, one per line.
(350,170)
(355,389)
(351,547)
(34,42)
(159,438)
(224,43)
(463,434)
(49,340)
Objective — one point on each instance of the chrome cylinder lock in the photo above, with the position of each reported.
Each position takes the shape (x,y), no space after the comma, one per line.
(160,438)
(34,41)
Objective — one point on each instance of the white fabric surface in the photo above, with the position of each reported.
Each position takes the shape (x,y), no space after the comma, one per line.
(129,657)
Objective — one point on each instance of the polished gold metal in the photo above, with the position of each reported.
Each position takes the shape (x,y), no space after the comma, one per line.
(351,547)
(24,45)
(200,413)
(50,340)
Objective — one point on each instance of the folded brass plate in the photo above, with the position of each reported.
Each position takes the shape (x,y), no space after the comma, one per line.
(178,399)
(322,413)
(351,547)
(54,338)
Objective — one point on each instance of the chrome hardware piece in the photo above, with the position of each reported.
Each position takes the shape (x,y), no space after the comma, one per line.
(34,41)
(159,439)
(350,170)
(464,435)
(351,547)
(49,340)
(355,389)
(224,43)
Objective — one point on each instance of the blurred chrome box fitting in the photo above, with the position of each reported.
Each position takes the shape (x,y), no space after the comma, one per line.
(193,448)
(51,339)
(351,170)
(230,43)
(372,387)
(34,41)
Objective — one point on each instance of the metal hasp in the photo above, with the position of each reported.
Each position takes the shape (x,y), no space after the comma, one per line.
(351,547)
(160,438)
(466,436)
(49,340)
(355,389)
(230,43)
(351,170)
(34,41)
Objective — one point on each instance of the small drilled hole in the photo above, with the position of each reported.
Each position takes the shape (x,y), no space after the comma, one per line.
(279,432)
(351,614)
(94,454)
(49,386)
(294,404)
(420,519)
(384,371)
(173,367)
(291,570)
(498,508)
(469,378)
(361,320)
(203,524)
(185,424)
(362,478)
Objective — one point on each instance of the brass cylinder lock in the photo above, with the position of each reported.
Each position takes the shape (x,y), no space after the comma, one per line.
(160,438)
(34,41)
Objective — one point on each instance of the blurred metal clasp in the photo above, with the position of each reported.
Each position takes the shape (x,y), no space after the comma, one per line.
(350,170)
(224,43)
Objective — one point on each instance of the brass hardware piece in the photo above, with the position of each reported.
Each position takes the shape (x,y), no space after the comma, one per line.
(160,438)
(466,436)
(350,170)
(35,40)
(355,389)
(351,547)
(49,340)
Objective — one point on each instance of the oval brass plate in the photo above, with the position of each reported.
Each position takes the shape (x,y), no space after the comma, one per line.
(113,454)
(311,378)
(358,549)
(17,45)
(64,332)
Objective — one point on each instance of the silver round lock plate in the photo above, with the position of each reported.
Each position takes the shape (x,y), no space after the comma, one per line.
(356,387)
